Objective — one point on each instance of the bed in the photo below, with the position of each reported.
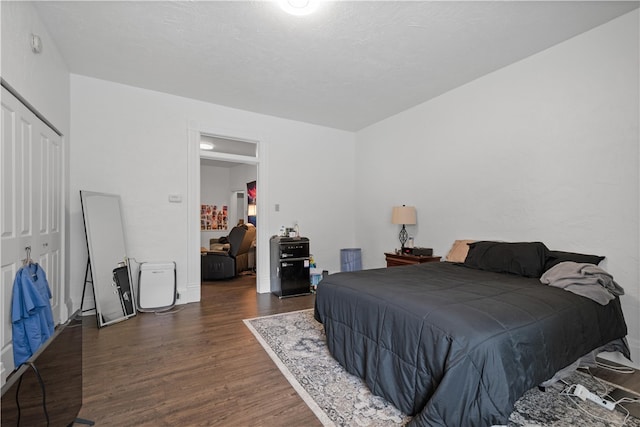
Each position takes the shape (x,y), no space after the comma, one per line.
(456,345)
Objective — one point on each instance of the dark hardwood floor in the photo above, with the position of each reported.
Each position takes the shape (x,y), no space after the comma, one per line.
(628,381)
(200,366)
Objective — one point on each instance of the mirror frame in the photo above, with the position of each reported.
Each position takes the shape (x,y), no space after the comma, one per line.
(106,246)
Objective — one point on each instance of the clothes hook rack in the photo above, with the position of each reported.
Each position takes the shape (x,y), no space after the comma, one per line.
(28,259)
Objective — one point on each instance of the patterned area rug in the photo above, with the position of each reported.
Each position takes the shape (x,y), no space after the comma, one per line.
(296,343)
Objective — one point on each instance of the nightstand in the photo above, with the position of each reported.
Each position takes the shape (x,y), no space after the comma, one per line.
(394,260)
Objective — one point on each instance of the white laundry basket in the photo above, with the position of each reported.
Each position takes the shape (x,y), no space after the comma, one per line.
(156,286)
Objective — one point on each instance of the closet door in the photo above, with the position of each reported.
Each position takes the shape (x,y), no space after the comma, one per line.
(32,208)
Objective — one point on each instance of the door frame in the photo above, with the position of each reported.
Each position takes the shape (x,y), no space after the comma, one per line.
(195,131)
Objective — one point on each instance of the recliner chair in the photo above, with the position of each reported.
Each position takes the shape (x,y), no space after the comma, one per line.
(217,265)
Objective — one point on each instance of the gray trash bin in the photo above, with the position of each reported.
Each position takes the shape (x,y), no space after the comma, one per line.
(350,259)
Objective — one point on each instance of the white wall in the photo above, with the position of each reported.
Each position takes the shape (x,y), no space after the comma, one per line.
(43,80)
(133,142)
(240,176)
(542,150)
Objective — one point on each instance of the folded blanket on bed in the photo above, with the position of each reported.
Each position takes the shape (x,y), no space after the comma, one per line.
(587,280)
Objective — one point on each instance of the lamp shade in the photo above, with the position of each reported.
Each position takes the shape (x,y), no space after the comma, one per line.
(403,215)
(251,210)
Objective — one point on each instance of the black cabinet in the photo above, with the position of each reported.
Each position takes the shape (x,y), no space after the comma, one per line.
(289,266)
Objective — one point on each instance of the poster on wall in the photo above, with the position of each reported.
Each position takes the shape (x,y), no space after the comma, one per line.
(213,217)
(251,201)
(251,192)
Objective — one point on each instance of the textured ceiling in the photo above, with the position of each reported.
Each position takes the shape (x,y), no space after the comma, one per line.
(349,65)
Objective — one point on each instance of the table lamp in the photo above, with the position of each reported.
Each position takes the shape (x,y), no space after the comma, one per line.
(403,215)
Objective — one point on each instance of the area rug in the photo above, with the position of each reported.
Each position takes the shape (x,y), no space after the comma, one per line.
(296,343)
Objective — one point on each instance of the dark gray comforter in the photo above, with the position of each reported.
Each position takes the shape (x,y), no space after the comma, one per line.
(456,346)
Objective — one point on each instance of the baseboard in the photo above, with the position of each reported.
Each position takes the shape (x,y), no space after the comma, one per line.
(189,294)
(264,284)
(6,362)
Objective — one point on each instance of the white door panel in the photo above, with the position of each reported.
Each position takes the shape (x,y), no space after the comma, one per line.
(32,203)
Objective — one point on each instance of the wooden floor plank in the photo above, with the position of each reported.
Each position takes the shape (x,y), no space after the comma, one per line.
(200,366)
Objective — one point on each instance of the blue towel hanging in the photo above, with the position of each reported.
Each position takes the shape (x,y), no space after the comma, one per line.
(31,315)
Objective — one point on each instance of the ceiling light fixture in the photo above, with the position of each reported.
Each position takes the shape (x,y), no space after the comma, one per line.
(299,7)
(206,146)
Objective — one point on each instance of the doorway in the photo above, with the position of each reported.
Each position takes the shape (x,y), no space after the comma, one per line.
(223,200)
(223,187)
(257,160)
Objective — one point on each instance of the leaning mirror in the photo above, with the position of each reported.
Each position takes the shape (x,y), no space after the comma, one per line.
(108,263)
